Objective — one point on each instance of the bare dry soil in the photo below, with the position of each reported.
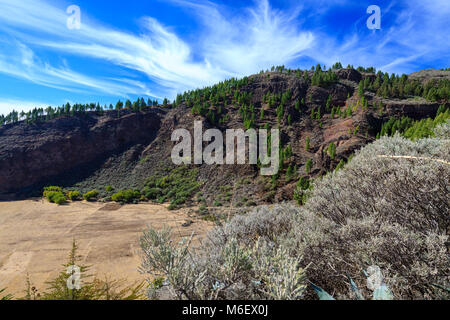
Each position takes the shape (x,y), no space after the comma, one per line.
(36,238)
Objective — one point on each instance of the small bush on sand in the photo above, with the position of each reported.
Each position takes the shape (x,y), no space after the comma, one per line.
(55,195)
(91,195)
(74,195)
(126,196)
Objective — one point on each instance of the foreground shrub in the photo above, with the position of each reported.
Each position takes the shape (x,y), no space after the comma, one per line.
(5,297)
(91,195)
(95,289)
(230,272)
(388,207)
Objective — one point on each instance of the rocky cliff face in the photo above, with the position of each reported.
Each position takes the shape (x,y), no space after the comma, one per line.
(93,151)
(32,154)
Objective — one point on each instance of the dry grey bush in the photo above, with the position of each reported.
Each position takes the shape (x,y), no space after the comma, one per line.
(232,271)
(386,211)
(389,212)
(236,263)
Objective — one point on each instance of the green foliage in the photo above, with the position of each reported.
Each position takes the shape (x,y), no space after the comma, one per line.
(91,195)
(328,104)
(291,172)
(323,78)
(307,143)
(51,188)
(318,115)
(303,185)
(152,193)
(177,187)
(337,66)
(332,150)
(109,188)
(395,86)
(126,196)
(308,166)
(56,197)
(6,297)
(411,129)
(74,195)
(97,289)
(340,165)
(361,88)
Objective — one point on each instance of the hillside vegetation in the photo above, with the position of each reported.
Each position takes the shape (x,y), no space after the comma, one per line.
(388,207)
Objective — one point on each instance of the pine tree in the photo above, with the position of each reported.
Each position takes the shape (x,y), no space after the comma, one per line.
(308,166)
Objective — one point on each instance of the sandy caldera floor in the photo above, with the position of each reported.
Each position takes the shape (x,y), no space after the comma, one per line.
(36,238)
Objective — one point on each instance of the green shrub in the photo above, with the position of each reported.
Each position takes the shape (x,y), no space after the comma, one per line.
(176,187)
(307,143)
(74,195)
(109,188)
(308,166)
(152,193)
(172,206)
(413,130)
(57,197)
(126,196)
(51,189)
(6,297)
(332,150)
(91,195)
(303,185)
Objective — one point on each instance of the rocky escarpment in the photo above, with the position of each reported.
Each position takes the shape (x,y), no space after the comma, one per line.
(31,154)
(92,151)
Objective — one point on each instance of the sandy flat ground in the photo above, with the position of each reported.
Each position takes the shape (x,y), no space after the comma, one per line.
(36,238)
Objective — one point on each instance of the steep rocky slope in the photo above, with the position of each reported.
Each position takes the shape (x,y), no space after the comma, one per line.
(93,151)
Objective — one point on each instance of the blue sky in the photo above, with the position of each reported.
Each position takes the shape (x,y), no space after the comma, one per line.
(156,49)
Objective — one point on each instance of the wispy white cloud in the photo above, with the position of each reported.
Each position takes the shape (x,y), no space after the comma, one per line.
(19,105)
(235,47)
(20,61)
(413,33)
(228,44)
(247,43)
